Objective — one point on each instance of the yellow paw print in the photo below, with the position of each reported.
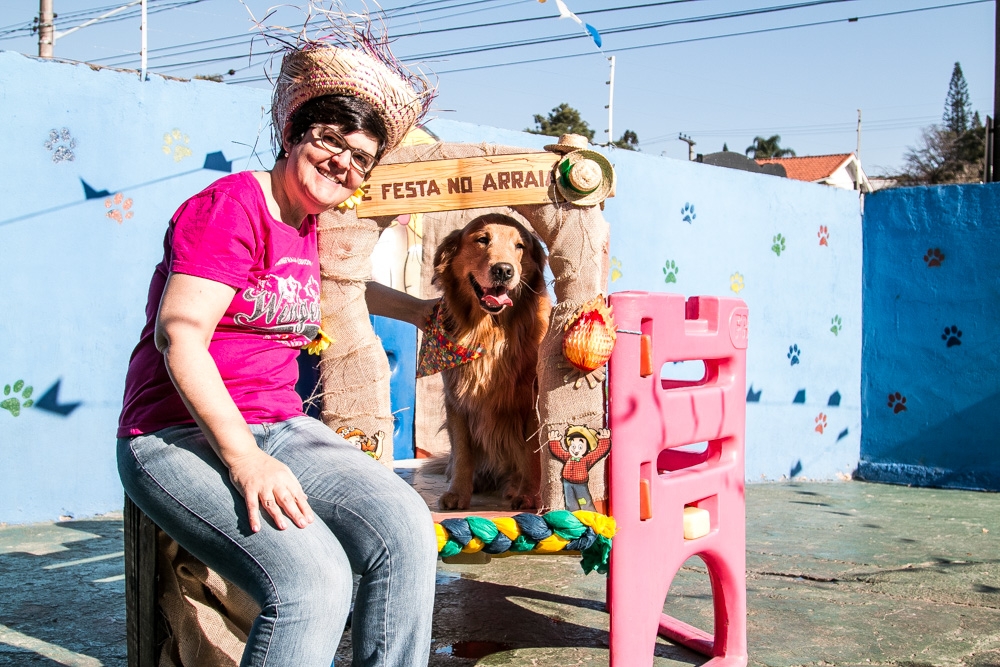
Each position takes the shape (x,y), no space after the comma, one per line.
(616,269)
(116,214)
(736,282)
(176,142)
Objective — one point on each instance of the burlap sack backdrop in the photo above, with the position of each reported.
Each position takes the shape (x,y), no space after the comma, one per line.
(577,241)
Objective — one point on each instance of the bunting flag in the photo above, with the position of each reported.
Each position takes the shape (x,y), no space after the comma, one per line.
(565,13)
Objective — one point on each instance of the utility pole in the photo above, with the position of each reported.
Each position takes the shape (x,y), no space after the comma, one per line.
(46,29)
(691,142)
(994,167)
(611,99)
(857,153)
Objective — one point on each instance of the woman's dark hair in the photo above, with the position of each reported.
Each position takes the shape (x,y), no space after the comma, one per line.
(349,113)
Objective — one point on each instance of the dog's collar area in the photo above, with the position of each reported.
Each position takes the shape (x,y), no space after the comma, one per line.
(493,299)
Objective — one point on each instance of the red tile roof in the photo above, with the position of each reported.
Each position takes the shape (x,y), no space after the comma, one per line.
(809,168)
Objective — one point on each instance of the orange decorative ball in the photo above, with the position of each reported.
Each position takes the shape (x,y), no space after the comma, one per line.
(590,336)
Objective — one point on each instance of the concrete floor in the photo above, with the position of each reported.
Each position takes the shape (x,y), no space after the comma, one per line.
(838,574)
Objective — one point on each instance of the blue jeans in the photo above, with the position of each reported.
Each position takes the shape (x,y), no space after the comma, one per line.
(369,522)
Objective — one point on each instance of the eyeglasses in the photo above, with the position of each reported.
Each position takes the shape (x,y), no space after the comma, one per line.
(334,142)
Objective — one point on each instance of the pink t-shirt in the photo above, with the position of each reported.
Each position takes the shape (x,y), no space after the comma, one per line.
(226,234)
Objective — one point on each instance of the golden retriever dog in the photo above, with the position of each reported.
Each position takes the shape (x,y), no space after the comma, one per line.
(495,299)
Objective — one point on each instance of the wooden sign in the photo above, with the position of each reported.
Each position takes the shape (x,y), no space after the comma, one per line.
(451,185)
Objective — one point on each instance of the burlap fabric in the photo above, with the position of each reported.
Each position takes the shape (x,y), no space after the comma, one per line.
(208,618)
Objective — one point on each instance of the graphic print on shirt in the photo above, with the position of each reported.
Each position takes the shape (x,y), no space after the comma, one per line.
(282,308)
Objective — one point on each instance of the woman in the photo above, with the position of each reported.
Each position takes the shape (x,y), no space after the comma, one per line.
(213,444)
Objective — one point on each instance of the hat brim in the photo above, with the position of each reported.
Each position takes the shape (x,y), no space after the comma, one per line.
(602,192)
(562,148)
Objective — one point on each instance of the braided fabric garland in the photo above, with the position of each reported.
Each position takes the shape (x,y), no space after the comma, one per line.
(589,533)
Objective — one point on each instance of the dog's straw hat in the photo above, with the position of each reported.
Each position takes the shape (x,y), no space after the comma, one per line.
(399,98)
(585,178)
(568,143)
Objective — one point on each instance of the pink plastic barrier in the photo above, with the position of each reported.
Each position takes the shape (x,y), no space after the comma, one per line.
(651,482)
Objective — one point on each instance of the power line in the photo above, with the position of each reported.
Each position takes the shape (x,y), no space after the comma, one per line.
(711,37)
(560,38)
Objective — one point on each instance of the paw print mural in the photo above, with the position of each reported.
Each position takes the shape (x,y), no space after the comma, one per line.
(16,397)
(670,271)
(119,208)
(952,336)
(820,423)
(687,213)
(897,402)
(616,269)
(793,354)
(836,324)
(736,282)
(61,144)
(175,142)
(824,235)
(778,244)
(934,257)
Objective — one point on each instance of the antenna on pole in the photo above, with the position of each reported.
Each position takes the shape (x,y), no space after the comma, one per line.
(857,180)
(611,101)
(690,142)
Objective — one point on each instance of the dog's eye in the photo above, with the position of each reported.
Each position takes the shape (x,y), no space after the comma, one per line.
(483,240)
(519,246)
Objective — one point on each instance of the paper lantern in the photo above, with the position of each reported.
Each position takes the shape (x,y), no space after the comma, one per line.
(590,336)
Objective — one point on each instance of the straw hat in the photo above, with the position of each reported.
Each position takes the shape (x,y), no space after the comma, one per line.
(582,432)
(568,143)
(398,97)
(585,178)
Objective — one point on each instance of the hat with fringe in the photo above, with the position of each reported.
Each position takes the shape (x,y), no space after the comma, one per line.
(585,178)
(399,98)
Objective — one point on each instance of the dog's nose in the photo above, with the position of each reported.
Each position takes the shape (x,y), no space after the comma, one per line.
(502,272)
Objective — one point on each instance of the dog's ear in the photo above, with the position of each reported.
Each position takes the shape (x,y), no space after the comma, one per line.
(446,252)
(537,251)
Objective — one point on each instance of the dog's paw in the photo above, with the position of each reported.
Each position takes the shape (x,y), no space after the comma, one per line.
(453,501)
(523,502)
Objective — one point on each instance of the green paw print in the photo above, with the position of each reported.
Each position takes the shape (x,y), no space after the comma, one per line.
(670,271)
(20,399)
(779,244)
(837,324)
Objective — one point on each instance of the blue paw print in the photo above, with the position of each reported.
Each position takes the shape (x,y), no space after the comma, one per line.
(794,353)
(688,213)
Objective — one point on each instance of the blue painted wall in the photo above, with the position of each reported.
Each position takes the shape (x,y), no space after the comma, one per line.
(97,162)
(931,391)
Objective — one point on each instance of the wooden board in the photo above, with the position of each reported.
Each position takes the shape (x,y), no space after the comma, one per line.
(461,183)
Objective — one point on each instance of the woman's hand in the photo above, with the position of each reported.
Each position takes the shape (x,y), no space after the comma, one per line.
(190,309)
(267,482)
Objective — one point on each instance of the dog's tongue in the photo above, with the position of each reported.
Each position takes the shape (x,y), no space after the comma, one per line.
(497,300)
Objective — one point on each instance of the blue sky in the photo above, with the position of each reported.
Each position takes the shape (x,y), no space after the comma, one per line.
(804,83)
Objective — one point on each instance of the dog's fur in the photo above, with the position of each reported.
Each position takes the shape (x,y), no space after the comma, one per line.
(491,274)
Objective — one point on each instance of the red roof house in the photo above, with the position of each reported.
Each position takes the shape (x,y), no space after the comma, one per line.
(842,170)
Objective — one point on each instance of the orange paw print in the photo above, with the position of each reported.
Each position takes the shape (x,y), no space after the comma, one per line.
(824,235)
(119,214)
(820,423)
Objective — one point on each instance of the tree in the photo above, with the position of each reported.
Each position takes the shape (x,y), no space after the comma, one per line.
(563,119)
(957,105)
(767,148)
(953,151)
(629,141)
